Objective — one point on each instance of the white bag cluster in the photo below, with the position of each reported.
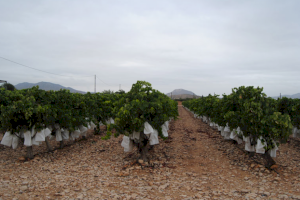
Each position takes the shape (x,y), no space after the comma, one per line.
(34,137)
(149,131)
(234,134)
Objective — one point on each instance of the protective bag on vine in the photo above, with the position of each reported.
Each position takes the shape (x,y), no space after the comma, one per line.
(147,128)
(83,130)
(135,135)
(260,146)
(40,136)
(272,152)
(34,142)
(220,128)
(296,132)
(47,132)
(234,136)
(110,121)
(27,137)
(58,135)
(15,141)
(65,134)
(75,134)
(248,146)
(154,138)
(227,129)
(167,124)
(92,125)
(222,131)
(164,128)
(7,139)
(127,144)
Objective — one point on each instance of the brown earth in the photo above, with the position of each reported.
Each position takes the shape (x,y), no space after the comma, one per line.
(195,162)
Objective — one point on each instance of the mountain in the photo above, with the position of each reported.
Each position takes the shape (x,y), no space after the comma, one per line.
(181,94)
(46,86)
(293,96)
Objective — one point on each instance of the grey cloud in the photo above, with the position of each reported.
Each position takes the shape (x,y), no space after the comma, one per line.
(202,46)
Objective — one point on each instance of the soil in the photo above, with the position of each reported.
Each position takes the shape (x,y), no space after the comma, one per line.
(195,162)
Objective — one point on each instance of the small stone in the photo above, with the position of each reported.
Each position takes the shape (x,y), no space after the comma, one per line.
(277,178)
(22,158)
(141,161)
(23,188)
(274,166)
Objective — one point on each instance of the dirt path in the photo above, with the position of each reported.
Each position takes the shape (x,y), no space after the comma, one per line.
(195,162)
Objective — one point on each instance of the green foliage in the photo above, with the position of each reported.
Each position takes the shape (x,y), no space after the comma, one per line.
(23,109)
(107,92)
(250,109)
(143,104)
(8,86)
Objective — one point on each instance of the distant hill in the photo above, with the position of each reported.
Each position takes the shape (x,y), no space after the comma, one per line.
(46,86)
(293,96)
(181,94)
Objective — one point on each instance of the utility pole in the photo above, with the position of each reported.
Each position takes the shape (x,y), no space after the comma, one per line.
(95,85)
(171,95)
(280,95)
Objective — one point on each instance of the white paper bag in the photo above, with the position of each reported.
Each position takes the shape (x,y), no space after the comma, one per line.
(33,142)
(135,135)
(33,131)
(296,132)
(83,130)
(110,121)
(27,137)
(227,129)
(15,141)
(58,135)
(65,135)
(47,132)
(260,146)
(164,130)
(92,125)
(220,128)
(272,152)
(7,139)
(127,144)
(227,135)
(40,136)
(147,128)
(75,134)
(154,138)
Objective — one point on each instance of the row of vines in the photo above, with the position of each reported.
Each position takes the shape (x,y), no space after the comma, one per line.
(248,115)
(32,116)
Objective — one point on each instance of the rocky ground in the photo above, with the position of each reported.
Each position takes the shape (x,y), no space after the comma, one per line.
(195,162)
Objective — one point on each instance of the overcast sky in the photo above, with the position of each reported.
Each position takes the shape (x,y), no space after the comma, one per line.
(202,46)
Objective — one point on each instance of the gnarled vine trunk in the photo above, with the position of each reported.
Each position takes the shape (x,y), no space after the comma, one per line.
(48,144)
(268,160)
(29,152)
(142,145)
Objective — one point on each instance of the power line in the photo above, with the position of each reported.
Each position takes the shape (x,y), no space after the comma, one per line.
(51,72)
(103,81)
(39,69)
